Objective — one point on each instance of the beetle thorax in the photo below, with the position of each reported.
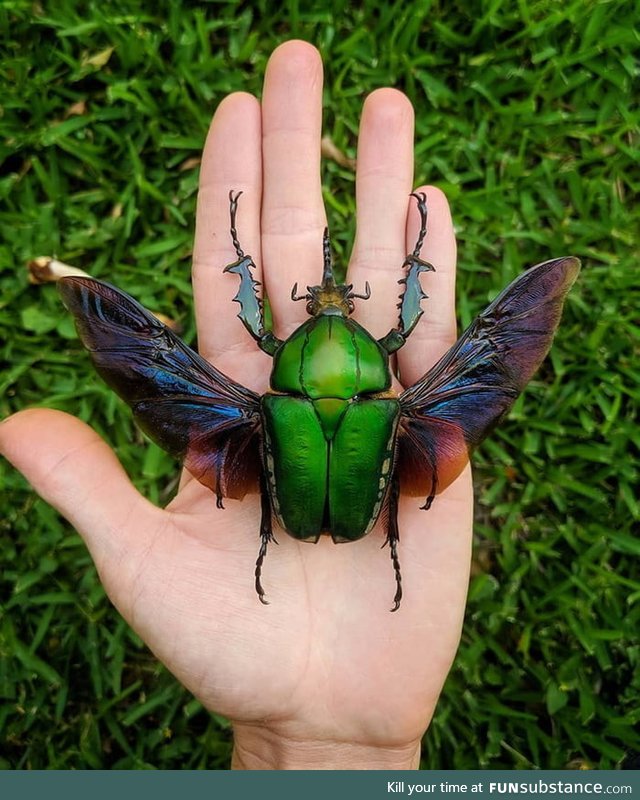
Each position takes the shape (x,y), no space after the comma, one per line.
(330,356)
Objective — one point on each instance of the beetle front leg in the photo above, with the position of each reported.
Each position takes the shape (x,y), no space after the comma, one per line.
(393,537)
(251,313)
(411,298)
(266,536)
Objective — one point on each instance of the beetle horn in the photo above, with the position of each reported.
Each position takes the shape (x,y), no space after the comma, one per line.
(327,273)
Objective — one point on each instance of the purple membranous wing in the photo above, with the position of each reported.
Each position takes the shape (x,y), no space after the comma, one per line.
(184,404)
(452,408)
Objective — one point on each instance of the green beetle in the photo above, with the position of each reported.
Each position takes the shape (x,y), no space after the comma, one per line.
(330,445)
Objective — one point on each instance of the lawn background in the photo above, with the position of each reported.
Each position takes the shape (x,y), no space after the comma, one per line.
(525,117)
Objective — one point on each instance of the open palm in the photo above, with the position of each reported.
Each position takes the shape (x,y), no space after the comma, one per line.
(324,676)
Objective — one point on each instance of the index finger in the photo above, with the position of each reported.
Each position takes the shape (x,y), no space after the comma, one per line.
(231,161)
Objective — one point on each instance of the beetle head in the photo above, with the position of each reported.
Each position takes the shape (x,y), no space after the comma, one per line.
(330,297)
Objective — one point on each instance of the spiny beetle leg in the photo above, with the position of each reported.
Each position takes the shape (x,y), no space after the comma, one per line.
(247,296)
(393,537)
(411,298)
(266,536)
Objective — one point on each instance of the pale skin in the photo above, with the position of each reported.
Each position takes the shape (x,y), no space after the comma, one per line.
(325,676)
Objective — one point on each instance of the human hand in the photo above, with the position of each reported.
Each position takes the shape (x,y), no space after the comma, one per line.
(325,676)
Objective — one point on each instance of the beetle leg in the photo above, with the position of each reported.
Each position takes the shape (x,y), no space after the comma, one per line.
(432,491)
(393,537)
(431,460)
(251,313)
(413,295)
(266,536)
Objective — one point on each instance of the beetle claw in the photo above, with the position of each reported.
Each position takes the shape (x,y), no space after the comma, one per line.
(259,590)
(432,492)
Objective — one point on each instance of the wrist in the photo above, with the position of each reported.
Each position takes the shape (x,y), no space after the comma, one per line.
(260,748)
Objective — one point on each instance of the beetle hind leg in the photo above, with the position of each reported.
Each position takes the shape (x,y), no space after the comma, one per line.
(266,536)
(393,537)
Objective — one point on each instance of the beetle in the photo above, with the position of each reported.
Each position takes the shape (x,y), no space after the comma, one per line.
(330,445)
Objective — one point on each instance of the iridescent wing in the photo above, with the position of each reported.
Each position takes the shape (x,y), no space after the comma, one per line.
(191,410)
(449,411)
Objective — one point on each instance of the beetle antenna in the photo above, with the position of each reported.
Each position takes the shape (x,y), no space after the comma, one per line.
(327,273)
(365,296)
(296,296)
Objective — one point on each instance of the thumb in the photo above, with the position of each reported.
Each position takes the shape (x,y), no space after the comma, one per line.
(74,470)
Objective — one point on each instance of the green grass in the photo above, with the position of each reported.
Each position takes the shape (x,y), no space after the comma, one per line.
(525,118)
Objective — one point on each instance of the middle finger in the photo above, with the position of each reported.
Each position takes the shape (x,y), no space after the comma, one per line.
(293,215)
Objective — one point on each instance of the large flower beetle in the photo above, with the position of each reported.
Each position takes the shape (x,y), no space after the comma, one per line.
(330,446)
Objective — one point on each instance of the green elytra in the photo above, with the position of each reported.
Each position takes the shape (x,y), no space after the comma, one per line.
(330,417)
